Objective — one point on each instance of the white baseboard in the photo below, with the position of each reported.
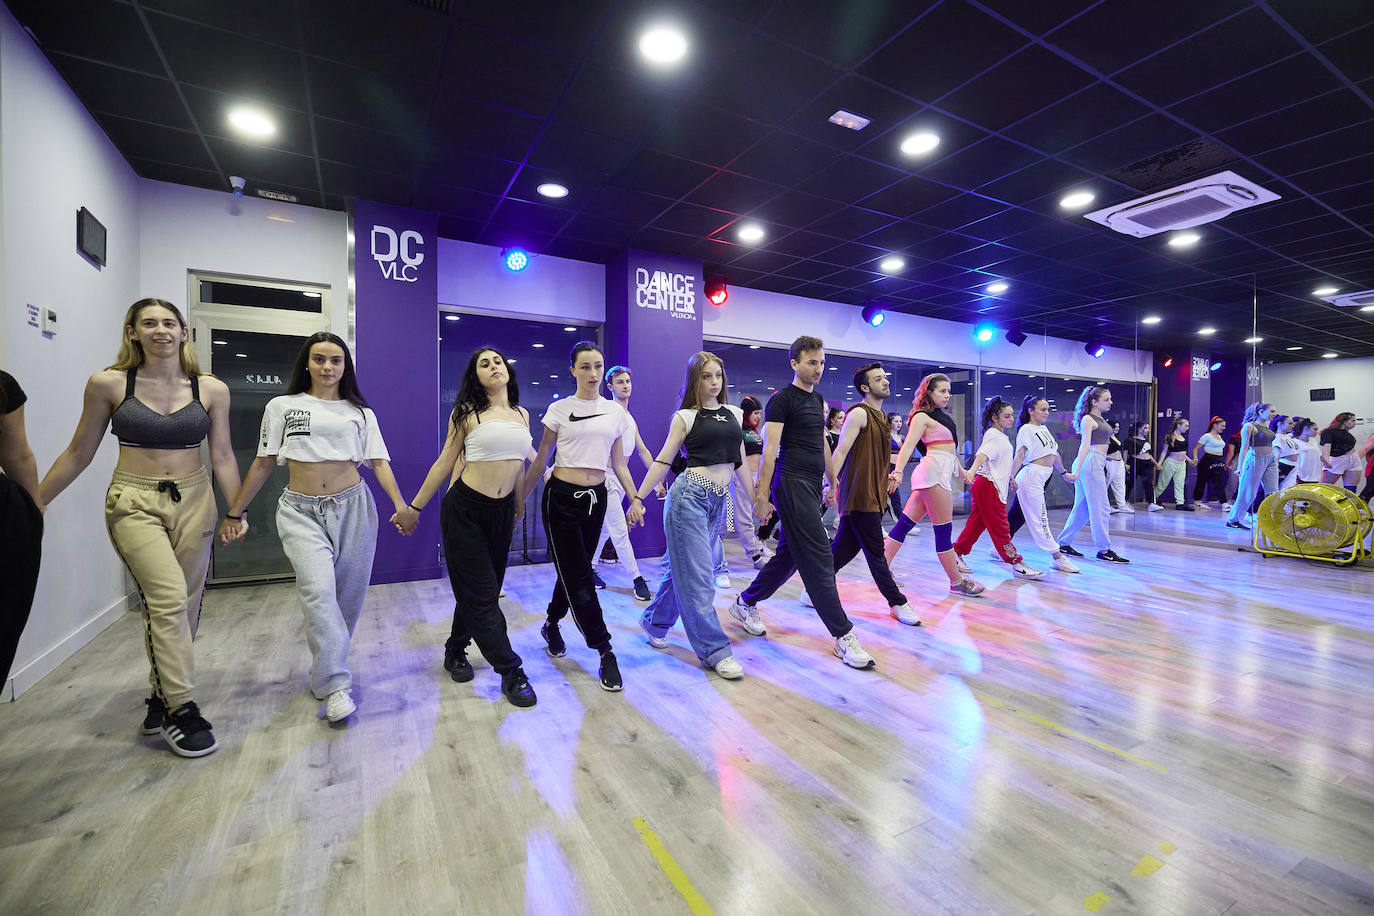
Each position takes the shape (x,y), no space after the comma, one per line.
(45,663)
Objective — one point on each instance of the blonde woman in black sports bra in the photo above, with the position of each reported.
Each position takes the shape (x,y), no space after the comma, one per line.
(160,508)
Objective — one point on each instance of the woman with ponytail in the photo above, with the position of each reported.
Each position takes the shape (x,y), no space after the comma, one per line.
(1090,475)
(1037,457)
(991,484)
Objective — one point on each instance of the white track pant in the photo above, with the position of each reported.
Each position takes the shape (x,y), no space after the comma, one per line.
(1116,481)
(1030,495)
(615,528)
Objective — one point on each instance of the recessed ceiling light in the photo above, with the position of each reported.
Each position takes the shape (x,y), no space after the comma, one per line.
(1292,348)
(570,328)
(663,45)
(537,346)
(1077,200)
(510,360)
(919,143)
(450,317)
(750,233)
(1367,308)
(1151,319)
(998,287)
(1325,291)
(552,189)
(891,265)
(221,342)
(1328,356)
(753,346)
(252,122)
(1207,332)
(849,119)
(1184,239)
(758,379)
(1253,340)
(245,355)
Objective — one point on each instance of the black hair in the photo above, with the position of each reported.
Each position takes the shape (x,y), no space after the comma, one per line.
(579,347)
(300,372)
(1276,421)
(861,375)
(1027,405)
(472,395)
(991,411)
(804,344)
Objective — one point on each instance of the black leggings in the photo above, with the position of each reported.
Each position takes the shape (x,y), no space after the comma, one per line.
(21,544)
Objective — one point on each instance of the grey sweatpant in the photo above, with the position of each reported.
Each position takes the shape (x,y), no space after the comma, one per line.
(330,541)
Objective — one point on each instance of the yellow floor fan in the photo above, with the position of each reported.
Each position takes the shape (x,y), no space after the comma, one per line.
(1315,521)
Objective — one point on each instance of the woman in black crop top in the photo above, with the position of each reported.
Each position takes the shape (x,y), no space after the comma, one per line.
(160,508)
(21,522)
(1341,466)
(711,434)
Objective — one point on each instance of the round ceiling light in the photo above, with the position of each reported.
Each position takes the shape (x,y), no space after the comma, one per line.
(1325,291)
(1151,319)
(552,189)
(891,265)
(1184,239)
(1328,356)
(750,233)
(919,143)
(663,45)
(1254,340)
(1077,200)
(1207,331)
(998,287)
(252,122)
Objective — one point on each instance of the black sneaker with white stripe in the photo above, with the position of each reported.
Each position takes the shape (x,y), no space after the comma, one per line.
(152,722)
(187,733)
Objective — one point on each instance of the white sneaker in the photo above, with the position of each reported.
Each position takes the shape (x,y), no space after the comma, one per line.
(762,559)
(503,593)
(848,650)
(1025,572)
(1112,510)
(992,555)
(728,668)
(723,581)
(1225,507)
(1202,506)
(902,613)
(806,600)
(1128,508)
(748,616)
(658,642)
(1062,564)
(960,565)
(1155,507)
(339,705)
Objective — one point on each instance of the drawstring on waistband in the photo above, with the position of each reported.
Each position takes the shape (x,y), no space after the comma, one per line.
(587,492)
(170,486)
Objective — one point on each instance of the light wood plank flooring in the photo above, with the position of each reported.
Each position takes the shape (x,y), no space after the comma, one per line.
(1190,734)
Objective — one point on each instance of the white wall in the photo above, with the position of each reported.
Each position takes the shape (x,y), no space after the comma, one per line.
(1287,385)
(191,229)
(56,160)
(758,316)
(472,276)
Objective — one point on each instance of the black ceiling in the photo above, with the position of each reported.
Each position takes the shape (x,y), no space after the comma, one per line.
(464,107)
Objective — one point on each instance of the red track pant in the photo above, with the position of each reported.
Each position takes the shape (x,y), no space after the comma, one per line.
(989,513)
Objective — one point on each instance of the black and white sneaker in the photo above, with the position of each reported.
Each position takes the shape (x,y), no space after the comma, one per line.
(1110,556)
(597,580)
(1069,550)
(186,733)
(457,665)
(516,688)
(152,722)
(1239,525)
(642,589)
(610,672)
(553,640)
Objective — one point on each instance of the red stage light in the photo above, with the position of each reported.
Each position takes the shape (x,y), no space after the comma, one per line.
(1168,362)
(716,290)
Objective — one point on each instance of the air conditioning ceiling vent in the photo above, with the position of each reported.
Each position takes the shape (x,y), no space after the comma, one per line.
(1203,200)
(1351,300)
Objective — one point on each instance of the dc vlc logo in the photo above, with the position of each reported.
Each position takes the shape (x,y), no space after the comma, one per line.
(397,257)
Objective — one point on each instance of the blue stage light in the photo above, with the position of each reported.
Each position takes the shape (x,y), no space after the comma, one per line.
(515,259)
(984,332)
(873,314)
(1215,366)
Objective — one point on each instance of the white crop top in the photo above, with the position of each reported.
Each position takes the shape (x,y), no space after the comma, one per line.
(997,468)
(496,440)
(628,445)
(1037,441)
(305,428)
(587,429)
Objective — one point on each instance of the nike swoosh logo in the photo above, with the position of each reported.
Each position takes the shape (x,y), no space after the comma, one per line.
(574,417)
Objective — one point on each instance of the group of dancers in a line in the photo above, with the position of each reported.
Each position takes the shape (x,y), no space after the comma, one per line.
(161,516)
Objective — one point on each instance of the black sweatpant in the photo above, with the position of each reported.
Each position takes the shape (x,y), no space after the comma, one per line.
(1142,484)
(21,544)
(1016,519)
(572,522)
(803,537)
(1211,470)
(864,531)
(477,531)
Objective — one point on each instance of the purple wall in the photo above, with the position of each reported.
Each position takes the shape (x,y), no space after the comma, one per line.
(1228,395)
(395,269)
(653,325)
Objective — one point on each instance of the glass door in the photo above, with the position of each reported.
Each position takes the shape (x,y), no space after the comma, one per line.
(252,351)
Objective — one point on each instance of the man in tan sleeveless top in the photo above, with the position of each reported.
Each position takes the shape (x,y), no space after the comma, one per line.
(861,460)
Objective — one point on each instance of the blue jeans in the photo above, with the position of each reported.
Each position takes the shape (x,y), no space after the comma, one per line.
(1258,471)
(1090,502)
(691,521)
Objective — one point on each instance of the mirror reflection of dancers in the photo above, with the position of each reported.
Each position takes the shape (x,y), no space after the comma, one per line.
(585,428)
(711,433)
(1211,465)
(862,459)
(896,424)
(1143,464)
(160,507)
(796,456)
(992,482)
(1366,454)
(830,515)
(1285,444)
(1307,467)
(1173,458)
(1259,466)
(491,432)
(21,522)
(932,431)
(1036,458)
(742,498)
(620,383)
(322,430)
(1090,481)
(1116,472)
(1342,465)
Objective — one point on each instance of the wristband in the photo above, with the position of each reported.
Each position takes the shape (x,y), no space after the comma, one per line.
(237,518)
(638,497)
(415,507)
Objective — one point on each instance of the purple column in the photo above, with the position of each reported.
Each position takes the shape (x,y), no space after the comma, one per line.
(397,355)
(653,325)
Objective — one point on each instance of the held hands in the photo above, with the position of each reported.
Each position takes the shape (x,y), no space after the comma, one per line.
(967,476)
(763,511)
(231,531)
(1070,476)
(894,480)
(405,519)
(635,514)
(660,490)
(832,495)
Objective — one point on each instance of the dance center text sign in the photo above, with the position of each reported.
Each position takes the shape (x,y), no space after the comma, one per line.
(395,275)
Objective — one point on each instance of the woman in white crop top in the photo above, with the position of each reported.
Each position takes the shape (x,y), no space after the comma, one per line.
(322,429)
(1036,458)
(490,433)
(591,434)
(991,483)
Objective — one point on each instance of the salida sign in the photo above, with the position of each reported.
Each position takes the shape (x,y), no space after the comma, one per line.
(671,292)
(397,255)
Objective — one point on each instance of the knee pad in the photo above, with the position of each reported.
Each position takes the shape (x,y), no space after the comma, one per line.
(901,528)
(943,541)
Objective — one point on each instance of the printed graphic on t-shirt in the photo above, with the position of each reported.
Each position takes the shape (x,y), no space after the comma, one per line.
(297,423)
(573,418)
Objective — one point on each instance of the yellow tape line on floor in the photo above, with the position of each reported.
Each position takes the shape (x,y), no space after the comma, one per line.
(675,874)
(1070,733)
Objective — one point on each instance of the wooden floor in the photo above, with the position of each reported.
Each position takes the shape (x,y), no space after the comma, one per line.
(1190,734)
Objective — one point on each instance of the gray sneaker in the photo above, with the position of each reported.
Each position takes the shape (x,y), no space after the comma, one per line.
(748,616)
(967,587)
